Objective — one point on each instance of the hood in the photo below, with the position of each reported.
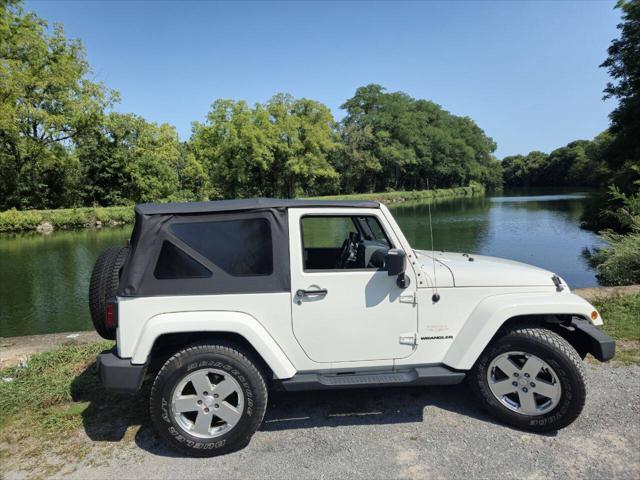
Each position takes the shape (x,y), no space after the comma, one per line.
(469,270)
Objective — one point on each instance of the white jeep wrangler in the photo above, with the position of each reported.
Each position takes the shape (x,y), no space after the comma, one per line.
(217,302)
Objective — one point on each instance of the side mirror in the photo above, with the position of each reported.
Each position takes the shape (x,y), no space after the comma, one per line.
(396,261)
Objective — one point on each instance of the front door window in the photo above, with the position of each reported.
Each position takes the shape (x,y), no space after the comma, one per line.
(343,242)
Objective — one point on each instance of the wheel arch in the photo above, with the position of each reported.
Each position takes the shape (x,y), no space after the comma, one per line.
(496,313)
(166,345)
(558,323)
(172,331)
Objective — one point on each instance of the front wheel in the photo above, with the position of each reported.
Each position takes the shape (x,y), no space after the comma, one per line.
(208,399)
(530,378)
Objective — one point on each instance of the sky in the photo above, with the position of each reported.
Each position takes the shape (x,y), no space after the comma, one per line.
(526,72)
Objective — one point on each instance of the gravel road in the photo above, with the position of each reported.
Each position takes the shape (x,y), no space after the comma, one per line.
(401,433)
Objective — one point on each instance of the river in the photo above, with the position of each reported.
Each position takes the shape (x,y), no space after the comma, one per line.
(44,279)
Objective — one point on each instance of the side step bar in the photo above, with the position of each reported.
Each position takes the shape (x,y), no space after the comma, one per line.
(425,375)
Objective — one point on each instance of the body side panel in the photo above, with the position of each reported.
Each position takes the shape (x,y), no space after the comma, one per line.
(455,323)
(218,321)
(266,313)
(491,313)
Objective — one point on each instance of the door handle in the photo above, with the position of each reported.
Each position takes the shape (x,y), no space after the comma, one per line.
(308,293)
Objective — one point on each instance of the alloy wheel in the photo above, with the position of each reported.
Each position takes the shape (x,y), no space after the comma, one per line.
(207,403)
(524,383)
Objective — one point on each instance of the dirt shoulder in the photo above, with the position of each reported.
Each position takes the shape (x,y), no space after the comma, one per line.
(606,292)
(15,350)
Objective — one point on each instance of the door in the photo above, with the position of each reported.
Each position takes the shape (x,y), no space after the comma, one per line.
(346,307)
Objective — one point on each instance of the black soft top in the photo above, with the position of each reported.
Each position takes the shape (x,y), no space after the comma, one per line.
(245,204)
(154,226)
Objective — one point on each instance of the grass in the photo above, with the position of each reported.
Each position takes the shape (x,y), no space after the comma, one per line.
(621,316)
(44,405)
(74,218)
(57,386)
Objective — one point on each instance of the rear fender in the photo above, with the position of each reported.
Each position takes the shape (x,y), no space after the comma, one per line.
(492,313)
(214,321)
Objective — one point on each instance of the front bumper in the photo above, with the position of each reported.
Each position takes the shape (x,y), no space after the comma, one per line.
(601,346)
(119,374)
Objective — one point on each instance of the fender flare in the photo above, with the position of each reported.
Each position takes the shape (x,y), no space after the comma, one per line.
(239,323)
(492,312)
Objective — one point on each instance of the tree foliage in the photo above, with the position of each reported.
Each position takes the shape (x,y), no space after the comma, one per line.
(46,101)
(280,148)
(579,163)
(128,159)
(623,65)
(619,262)
(621,154)
(392,141)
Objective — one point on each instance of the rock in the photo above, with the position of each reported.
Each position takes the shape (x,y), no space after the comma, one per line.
(98,224)
(45,228)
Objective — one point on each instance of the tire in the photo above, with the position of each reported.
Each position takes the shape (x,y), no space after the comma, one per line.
(226,367)
(103,285)
(558,389)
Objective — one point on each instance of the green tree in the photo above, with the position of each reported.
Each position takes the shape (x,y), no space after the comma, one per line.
(623,65)
(591,169)
(127,159)
(620,148)
(234,146)
(46,101)
(193,181)
(523,170)
(304,138)
(355,159)
(280,148)
(393,141)
(579,163)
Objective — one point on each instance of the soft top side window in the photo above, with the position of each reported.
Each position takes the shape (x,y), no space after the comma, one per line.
(174,264)
(240,247)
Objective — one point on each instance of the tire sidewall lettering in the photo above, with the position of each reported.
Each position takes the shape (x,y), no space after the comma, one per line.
(554,357)
(182,437)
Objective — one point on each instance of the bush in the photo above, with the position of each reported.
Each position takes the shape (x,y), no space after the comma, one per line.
(619,263)
(413,195)
(65,218)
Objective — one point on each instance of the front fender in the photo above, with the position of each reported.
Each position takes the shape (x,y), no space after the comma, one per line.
(214,321)
(492,312)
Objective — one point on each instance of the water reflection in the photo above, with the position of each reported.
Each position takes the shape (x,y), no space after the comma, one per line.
(543,230)
(44,279)
(458,225)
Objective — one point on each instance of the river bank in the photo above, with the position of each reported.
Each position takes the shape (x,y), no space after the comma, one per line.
(45,221)
(17,350)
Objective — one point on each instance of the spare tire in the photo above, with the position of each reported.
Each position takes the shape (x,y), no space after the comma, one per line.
(104,285)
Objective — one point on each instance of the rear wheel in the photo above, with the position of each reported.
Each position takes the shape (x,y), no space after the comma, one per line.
(208,399)
(530,378)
